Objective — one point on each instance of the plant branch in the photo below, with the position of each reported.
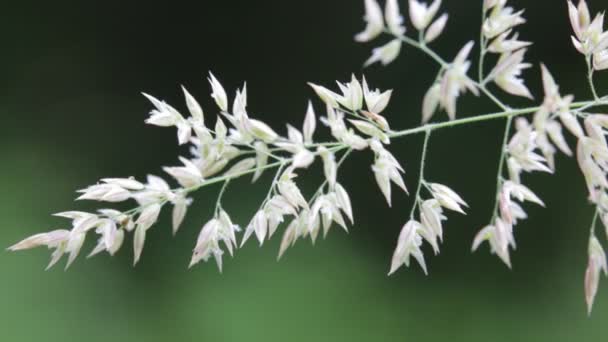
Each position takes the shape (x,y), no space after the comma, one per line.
(590,78)
(425,146)
(501,164)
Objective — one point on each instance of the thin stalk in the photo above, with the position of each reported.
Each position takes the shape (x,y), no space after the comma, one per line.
(590,78)
(480,118)
(493,98)
(425,147)
(423,48)
(324,184)
(596,215)
(218,203)
(273,184)
(501,164)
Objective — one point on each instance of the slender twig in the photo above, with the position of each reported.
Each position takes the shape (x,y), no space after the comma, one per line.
(425,146)
(218,203)
(501,164)
(590,78)
(594,221)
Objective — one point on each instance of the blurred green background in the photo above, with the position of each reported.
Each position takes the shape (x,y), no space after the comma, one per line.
(71,111)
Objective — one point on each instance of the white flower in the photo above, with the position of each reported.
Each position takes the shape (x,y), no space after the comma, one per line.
(163,115)
(343,201)
(421,15)
(123,220)
(375,22)
(330,168)
(554,130)
(156,190)
(148,216)
(597,263)
(244,165)
(375,100)
(329,97)
(431,216)
(447,197)
(521,192)
(166,116)
(600,60)
(594,175)
(385,54)
(259,226)
(371,130)
(436,29)
(218,93)
(335,121)
(125,183)
(220,135)
(394,20)
(352,95)
(108,192)
(111,238)
(207,244)
(276,208)
(220,229)
(489,4)
(74,245)
(386,170)
(408,244)
(290,191)
(261,159)
(260,130)
(194,107)
(499,237)
(431,102)
(180,207)
(522,150)
(580,18)
(506,74)
(327,209)
(503,44)
(455,81)
(501,19)
(289,236)
(590,36)
(239,107)
(188,175)
(310,124)
(52,239)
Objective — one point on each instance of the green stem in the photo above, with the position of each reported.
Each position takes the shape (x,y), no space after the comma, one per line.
(596,215)
(425,49)
(218,203)
(590,78)
(501,164)
(425,147)
(493,98)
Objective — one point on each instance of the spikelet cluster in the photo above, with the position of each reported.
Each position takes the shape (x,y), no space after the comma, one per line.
(233,143)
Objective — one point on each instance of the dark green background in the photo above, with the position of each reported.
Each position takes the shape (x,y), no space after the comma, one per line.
(71,73)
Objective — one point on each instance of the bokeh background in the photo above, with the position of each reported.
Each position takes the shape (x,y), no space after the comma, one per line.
(71,77)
